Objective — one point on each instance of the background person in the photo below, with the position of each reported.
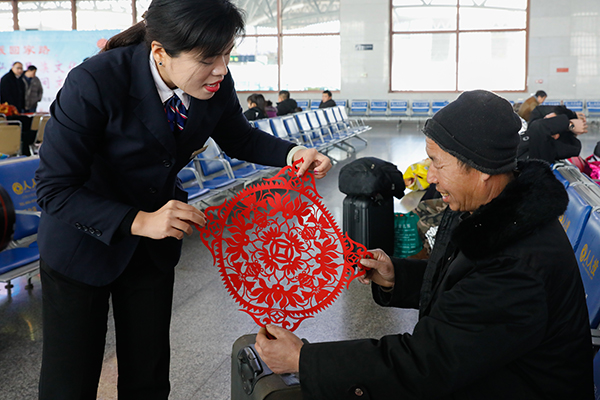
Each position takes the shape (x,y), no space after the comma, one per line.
(270,110)
(33,89)
(285,104)
(502,312)
(12,87)
(256,107)
(113,212)
(553,137)
(327,100)
(531,103)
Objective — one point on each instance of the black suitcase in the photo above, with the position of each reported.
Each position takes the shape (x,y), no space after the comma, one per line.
(370,221)
(251,378)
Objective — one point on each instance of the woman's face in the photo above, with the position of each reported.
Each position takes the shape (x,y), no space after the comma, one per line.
(196,75)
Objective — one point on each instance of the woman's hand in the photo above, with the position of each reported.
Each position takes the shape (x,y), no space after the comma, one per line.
(313,160)
(379,269)
(172,220)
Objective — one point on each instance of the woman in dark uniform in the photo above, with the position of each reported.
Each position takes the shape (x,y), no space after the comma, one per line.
(123,125)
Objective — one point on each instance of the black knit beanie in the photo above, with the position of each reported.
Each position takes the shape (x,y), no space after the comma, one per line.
(479,128)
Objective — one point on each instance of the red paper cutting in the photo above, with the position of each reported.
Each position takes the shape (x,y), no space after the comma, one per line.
(280,253)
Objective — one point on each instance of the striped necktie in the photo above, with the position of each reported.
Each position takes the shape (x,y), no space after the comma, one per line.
(176,113)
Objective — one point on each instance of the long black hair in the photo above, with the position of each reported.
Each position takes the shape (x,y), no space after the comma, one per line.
(207,26)
(259,100)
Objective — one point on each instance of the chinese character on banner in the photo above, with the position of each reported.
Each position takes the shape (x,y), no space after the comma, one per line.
(2,50)
(59,82)
(58,69)
(44,50)
(29,50)
(14,50)
(44,67)
(45,82)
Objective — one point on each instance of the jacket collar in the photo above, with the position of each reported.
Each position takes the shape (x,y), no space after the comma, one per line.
(534,198)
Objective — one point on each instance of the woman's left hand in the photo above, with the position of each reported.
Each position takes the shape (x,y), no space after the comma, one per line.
(313,160)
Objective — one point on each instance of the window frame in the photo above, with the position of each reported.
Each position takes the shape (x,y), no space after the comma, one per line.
(457,33)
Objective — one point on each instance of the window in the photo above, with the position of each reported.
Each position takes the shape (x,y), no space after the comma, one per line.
(44,15)
(456,45)
(292,45)
(103,14)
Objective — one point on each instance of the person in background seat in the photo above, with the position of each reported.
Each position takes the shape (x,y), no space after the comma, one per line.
(285,105)
(327,100)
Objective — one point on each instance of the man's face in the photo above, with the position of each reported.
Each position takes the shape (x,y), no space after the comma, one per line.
(461,188)
(17,69)
(325,97)
(541,99)
(30,73)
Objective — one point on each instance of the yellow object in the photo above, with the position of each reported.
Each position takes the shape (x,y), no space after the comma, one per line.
(417,174)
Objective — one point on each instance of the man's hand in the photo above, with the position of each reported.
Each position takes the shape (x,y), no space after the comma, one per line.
(579,126)
(279,349)
(380,269)
(313,160)
(171,220)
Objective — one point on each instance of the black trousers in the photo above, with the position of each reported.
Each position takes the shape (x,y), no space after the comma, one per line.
(75,319)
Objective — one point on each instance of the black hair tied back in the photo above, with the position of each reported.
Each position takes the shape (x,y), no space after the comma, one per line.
(206,26)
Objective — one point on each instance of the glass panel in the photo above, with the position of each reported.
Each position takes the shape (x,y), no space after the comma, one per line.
(45,15)
(311,16)
(492,61)
(311,63)
(482,14)
(424,15)
(103,14)
(424,62)
(141,7)
(6,16)
(253,64)
(261,16)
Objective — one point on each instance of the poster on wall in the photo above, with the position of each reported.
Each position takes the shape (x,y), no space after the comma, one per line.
(54,53)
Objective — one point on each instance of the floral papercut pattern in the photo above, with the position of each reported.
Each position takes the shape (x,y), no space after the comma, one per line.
(281,255)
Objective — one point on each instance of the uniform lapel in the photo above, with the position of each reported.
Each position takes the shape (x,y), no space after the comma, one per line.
(149,109)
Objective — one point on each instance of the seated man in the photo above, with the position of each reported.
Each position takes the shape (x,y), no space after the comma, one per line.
(502,312)
(327,100)
(286,105)
(553,136)
(531,103)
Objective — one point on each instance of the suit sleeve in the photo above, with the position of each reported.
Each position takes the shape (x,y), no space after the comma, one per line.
(239,139)
(72,137)
(472,330)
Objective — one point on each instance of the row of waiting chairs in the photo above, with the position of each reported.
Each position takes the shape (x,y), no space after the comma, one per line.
(21,256)
(212,172)
(416,108)
(323,129)
(581,222)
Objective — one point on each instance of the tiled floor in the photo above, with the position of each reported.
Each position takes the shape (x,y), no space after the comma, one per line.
(206,321)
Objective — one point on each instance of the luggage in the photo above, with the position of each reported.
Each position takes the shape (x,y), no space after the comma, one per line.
(252,379)
(370,221)
(371,176)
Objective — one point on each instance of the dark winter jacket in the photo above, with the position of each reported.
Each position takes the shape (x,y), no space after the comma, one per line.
(328,103)
(502,312)
(12,90)
(537,142)
(254,113)
(288,106)
(33,92)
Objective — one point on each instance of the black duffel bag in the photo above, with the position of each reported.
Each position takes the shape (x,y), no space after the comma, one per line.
(371,176)
(7,219)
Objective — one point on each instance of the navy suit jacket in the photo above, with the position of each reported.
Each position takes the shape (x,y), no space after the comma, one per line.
(108,150)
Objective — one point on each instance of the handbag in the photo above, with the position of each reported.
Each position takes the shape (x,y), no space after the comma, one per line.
(371,176)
